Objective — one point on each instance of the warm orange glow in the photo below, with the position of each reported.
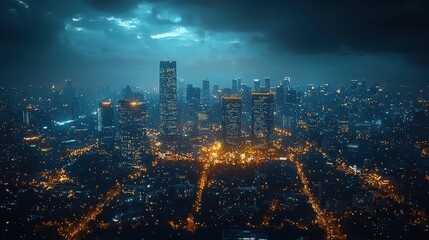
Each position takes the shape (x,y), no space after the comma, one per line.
(134,103)
(31,138)
(106,103)
(29,107)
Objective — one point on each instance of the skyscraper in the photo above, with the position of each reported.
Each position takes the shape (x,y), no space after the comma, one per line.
(106,128)
(267,84)
(168,99)
(234,86)
(286,83)
(203,115)
(231,122)
(132,129)
(205,93)
(256,85)
(280,105)
(239,84)
(262,118)
(290,109)
(29,116)
(69,102)
(193,95)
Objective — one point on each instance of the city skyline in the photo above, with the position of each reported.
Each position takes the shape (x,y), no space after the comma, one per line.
(214,120)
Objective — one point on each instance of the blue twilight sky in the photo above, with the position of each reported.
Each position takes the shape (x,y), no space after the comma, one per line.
(112,42)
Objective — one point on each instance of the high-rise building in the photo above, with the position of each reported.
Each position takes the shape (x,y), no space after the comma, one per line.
(262,118)
(132,130)
(69,102)
(239,84)
(128,93)
(290,110)
(203,115)
(280,105)
(29,116)
(193,95)
(286,83)
(106,126)
(231,122)
(216,109)
(205,93)
(267,84)
(168,100)
(234,86)
(256,85)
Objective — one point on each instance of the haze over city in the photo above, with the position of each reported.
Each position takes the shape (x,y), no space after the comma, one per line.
(223,120)
(111,42)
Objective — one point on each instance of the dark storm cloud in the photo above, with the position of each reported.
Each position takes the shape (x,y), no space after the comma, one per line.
(115,6)
(42,38)
(30,28)
(314,27)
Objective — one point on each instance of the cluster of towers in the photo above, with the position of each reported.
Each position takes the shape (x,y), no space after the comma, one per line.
(202,111)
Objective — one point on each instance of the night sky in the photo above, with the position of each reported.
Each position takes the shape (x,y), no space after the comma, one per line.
(107,42)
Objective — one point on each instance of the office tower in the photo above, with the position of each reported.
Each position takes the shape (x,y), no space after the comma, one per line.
(132,129)
(29,116)
(262,119)
(290,110)
(286,83)
(106,127)
(280,98)
(234,86)
(216,109)
(205,93)
(246,107)
(69,102)
(239,84)
(203,115)
(267,84)
(128,92)
(193,95)
(168,100)
(181,104)
(256,85)
(231,122)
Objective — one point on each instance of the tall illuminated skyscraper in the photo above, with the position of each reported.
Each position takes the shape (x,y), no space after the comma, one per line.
(290,110)
(231,122)
(193,95)
(262,118)
(203,115)
(205,93)
(168,99)
(106,128)
(132,129)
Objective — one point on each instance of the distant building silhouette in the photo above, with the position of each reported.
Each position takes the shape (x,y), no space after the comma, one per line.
(231,122)
(106,127)
(262,118)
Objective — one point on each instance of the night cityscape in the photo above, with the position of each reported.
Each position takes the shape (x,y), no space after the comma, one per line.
(214,120)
